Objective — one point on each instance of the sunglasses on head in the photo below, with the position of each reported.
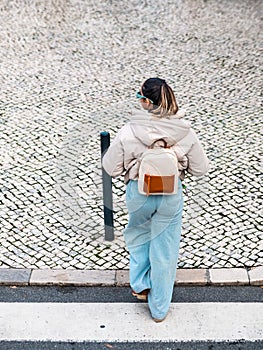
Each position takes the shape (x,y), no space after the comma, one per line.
(138,95)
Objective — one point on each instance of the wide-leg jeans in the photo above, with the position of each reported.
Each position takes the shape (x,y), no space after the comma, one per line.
(152,237)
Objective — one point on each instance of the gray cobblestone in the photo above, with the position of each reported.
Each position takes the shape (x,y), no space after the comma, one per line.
(63,81)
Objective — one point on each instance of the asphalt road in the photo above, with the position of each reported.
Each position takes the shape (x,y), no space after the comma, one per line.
(132,346)
(115,294)
(123,294)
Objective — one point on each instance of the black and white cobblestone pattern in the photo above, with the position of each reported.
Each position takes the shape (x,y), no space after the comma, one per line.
(70,69)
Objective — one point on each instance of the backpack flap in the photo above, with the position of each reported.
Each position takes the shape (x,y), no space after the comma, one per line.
(154,184)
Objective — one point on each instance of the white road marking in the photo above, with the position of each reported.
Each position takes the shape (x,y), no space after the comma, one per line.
(122,322)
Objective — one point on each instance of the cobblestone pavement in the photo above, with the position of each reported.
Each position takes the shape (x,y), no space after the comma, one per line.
(70,69)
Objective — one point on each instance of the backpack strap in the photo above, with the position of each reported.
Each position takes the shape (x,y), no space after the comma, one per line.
(164,142)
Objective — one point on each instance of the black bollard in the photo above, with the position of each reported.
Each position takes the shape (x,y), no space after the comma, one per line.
(107,190)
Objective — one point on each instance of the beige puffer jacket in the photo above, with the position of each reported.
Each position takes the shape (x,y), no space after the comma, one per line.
(123,155)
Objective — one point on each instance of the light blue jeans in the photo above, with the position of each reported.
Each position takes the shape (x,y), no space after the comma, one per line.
(153,239)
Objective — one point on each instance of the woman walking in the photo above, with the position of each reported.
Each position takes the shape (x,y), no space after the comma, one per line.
(153,232)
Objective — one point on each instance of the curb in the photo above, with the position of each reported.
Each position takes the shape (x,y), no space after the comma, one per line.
(185,277)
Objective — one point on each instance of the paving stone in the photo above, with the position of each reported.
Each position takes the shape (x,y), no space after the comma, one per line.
(191,276)
(14,276)
(72,277)
(123,277)
(233,276)
(256,276)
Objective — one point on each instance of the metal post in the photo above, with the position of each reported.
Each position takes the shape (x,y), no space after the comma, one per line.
(107,190)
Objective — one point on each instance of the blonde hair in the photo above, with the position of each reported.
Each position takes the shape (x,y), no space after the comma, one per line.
(164,102)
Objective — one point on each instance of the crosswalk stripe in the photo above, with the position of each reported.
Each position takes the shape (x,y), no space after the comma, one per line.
(121,322)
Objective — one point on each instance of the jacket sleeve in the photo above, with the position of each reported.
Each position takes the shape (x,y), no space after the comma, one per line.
(198,163)
(113,160)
